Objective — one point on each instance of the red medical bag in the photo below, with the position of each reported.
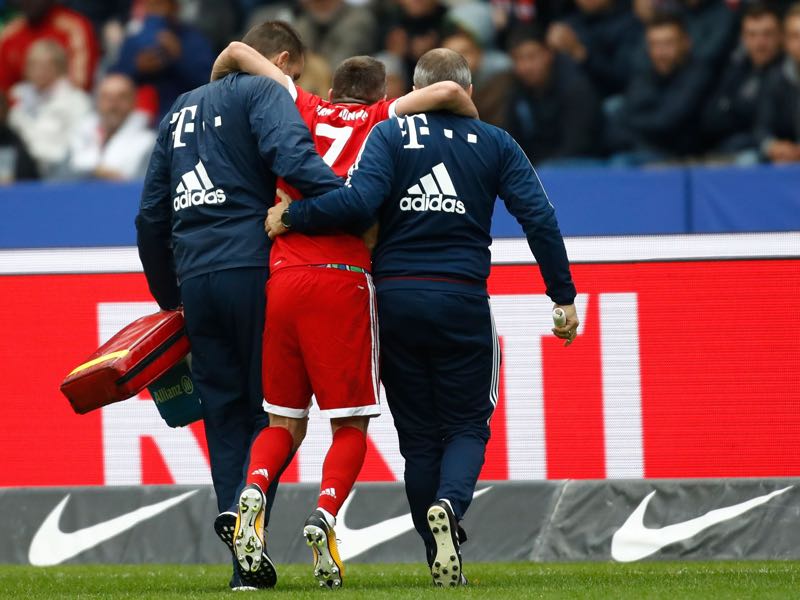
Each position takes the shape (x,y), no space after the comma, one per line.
(128,362)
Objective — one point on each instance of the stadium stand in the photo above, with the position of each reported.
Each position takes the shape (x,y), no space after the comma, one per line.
(708,97)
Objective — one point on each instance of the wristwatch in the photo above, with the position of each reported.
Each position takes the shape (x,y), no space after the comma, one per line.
(286,219)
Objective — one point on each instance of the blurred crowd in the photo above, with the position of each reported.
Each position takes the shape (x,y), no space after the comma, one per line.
(83,83)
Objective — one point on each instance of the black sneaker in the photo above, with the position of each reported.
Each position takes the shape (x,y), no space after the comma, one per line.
(328,566)
(446,563)
(248,541)
(224,525)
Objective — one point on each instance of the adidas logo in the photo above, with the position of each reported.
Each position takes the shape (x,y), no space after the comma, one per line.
(196,188)
(263,472)
(434,192)
(328,492)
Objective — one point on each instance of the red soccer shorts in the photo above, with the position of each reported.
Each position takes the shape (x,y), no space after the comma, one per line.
(321,337)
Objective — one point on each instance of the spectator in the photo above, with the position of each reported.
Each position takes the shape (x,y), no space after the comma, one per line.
(659,114)
(163,53)
(712,29)
(729,118)
(602,38)
(510,15)
(278,11)
(490,83)
(219,22)
(416,29)
(337,30)
(644,11)
(113,143)
(46,106)
(43,19)
(108,19)
(317,75)
(16,163)
(552,110)
(396,75)
(475,36)
(778,124)
(100,13)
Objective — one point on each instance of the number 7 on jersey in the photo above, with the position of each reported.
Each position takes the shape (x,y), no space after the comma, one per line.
(339,135)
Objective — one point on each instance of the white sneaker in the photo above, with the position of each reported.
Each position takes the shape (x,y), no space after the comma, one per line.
(446,563)
(250,542)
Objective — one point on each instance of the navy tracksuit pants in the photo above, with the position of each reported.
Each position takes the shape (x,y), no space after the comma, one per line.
(224,313)
(440,362)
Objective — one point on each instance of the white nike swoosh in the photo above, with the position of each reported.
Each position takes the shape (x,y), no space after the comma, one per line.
(634,541)
(51,546)
(357,541)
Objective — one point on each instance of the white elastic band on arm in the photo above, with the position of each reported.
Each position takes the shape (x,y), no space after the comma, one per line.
(393,109)
(291,87)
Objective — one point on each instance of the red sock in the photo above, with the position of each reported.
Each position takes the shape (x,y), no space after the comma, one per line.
(268,455)
(341,467)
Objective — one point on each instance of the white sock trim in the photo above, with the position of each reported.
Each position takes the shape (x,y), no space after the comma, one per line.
(448,504)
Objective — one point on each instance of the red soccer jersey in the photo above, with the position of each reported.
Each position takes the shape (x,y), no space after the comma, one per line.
(339,131)
(70,29)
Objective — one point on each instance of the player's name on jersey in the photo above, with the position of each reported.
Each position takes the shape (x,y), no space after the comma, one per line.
(344,113)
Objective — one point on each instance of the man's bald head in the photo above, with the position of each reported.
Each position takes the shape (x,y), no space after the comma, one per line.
(45,63)
(116,99)
(441,64)
(117,83)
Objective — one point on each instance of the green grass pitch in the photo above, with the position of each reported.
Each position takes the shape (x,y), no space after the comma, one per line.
(641,581)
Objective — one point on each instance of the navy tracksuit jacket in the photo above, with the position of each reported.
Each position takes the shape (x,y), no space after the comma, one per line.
(431,181)
(201,240)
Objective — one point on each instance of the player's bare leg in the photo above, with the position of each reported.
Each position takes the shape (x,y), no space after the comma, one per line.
(339,472)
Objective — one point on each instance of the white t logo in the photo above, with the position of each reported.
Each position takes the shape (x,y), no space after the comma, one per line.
(180,117)
(413,132)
